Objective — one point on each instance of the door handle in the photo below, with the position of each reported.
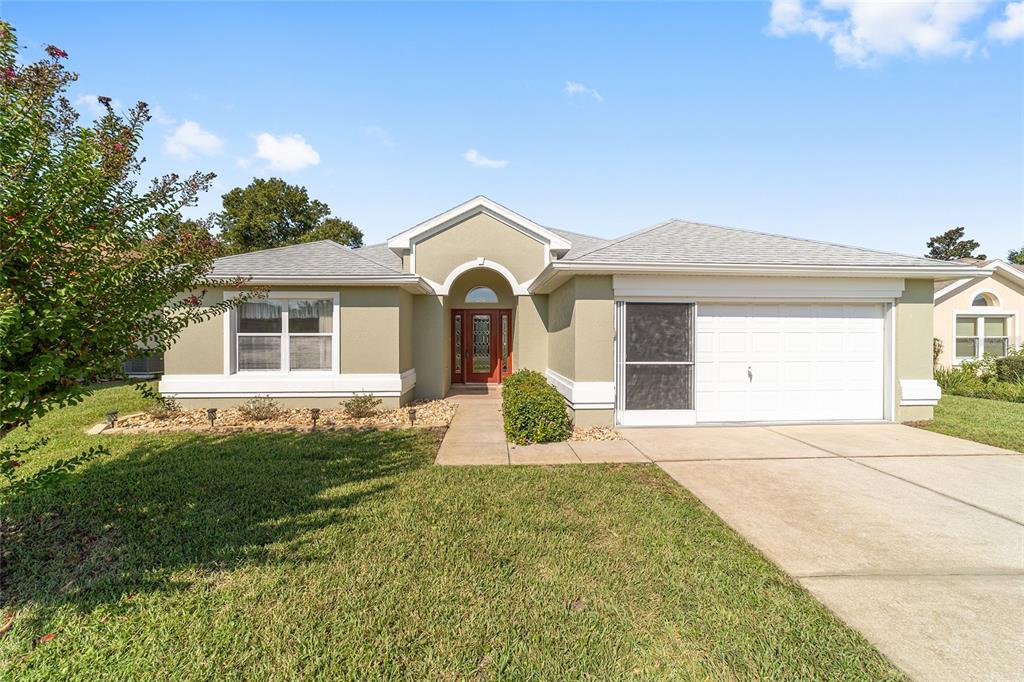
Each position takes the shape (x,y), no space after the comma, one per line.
(750,373)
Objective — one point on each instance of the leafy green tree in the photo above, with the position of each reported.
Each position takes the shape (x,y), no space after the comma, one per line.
(86,276)
(270,213)
(951,245)
(1016,256)
(337,230)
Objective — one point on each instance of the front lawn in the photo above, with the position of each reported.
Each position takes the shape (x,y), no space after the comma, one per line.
(350,556)
(995,422)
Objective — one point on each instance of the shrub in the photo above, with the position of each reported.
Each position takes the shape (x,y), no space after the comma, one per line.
(533,410)
(936,351)
(1011,367)
(970,379)
(362,406)
(260,408)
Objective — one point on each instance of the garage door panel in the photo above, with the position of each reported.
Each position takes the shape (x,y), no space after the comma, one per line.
(809,362)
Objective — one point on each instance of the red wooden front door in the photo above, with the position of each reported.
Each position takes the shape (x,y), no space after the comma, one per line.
(481,346)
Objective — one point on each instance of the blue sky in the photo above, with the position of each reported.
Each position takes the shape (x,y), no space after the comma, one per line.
(846,123)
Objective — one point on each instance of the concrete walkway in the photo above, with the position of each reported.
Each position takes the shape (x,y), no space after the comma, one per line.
(476,437)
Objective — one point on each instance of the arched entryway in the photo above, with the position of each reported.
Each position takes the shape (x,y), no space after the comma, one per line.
(482,305)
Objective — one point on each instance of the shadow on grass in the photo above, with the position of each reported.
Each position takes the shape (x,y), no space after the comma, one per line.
(175,504)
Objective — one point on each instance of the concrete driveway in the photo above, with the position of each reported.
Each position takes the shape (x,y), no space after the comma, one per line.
(913,538)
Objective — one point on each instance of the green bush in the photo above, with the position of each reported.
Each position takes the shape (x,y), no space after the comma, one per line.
(1011,368)
(362,406)
(260,409)
(534,411)
(971,379)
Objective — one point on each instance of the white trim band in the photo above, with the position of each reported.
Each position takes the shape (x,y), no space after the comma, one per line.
(583,395)
(919,392)
(290,385)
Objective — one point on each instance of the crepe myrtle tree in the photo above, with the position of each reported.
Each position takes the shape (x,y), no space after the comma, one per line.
(87,274)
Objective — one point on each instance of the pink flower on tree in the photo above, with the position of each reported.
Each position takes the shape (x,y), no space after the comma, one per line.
(56,52)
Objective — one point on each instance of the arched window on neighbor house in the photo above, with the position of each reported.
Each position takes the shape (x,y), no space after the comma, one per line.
(481,295)
(985,300)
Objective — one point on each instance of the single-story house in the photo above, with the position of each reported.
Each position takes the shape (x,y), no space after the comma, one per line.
(676,324)
(980,314)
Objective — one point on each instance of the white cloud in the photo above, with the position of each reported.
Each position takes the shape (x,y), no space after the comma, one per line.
(189,140)
(1010,28)
(475,158)
(863,32)
(381,135)
(572,88)
(91,103)
(161,116)
(285,153)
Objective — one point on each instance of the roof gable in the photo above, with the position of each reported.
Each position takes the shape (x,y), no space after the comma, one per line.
(481,204)
(1010,272)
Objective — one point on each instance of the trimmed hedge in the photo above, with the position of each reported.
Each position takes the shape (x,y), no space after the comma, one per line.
(533,410)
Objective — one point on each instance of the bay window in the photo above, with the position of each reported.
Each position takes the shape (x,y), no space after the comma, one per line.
(287,335)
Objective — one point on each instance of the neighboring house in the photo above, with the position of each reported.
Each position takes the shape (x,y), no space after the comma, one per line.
(679,323)
(975,315)
(144,366)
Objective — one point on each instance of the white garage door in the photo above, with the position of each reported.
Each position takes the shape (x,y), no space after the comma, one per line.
(789,362)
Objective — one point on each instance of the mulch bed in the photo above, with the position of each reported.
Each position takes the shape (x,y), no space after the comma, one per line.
(429,414)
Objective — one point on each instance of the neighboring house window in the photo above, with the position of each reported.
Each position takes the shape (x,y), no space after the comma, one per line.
(978,335)
(481,295)
(285,336)
(984,301)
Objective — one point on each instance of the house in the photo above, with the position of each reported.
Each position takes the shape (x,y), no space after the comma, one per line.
(980,314)
(679,323)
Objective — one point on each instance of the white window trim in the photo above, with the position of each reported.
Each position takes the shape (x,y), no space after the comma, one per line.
(980,313)
(231,336)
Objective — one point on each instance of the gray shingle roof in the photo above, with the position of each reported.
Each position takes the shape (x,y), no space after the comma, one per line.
(380,253)
(323,258)
(681,241)
(581,243)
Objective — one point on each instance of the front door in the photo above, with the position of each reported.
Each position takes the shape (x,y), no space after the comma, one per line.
(481,346)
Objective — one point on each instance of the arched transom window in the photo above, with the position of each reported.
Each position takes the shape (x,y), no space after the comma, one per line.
(481,295)
(985,300)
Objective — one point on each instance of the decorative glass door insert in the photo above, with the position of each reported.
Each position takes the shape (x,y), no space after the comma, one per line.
(481,345)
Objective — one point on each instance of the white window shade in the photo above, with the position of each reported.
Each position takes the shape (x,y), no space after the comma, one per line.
(289,335)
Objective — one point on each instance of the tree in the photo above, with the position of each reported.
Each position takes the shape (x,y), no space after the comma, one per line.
(271,213)
(1016,256)
(337,230)
(87,276)
(951,245)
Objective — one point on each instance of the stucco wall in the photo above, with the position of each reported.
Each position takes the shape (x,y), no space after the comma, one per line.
(914,342)
(430,348)
(200,347)
(594,329)
(480,236)
(405,330)
(370,330)
(1011,298)
(561,333)
(530,336)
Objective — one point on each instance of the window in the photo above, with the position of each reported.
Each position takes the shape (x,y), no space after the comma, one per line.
(980,335)
(481,295)
(656,356)
(285,335)
(979,301)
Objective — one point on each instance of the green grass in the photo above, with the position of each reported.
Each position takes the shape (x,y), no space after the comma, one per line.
(349,556)
(995,422)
